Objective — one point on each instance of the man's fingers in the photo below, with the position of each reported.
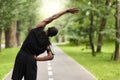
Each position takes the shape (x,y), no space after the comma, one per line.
(73,10)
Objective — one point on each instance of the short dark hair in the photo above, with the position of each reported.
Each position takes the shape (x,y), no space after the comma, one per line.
(52,31)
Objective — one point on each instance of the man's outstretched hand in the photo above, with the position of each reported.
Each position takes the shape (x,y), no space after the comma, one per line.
(73,10)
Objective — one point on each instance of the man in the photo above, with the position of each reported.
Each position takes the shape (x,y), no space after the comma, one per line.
(36,43)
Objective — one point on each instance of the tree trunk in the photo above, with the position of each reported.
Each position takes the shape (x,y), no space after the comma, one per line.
(102,27)
(18,34)
(0,37)
(117,41)
(10,36)
(100,36)
(91,31)
(91,34)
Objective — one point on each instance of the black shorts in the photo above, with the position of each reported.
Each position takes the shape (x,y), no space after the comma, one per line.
(25,65)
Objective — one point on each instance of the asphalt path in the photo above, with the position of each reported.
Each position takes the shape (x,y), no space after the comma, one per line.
(62,67)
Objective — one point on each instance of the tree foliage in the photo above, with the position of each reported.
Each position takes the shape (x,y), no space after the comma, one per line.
(13,11)
(103,12)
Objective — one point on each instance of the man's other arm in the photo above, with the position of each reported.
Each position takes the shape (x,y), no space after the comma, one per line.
(55,16)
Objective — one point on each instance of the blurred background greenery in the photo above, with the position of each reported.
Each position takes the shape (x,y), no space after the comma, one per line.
(94,32)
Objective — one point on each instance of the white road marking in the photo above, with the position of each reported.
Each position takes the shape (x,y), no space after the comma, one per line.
(49,68)
(50,72)
(49,64)
(50,79)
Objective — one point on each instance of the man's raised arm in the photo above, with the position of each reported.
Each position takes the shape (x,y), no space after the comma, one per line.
(55,16)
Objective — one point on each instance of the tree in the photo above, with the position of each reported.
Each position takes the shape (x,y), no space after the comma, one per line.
(103,25)
(27,12)
(2,2)
(0,37)
(18,33)
(117,27)
(78,25)
(91,33)
(10,36)
(85,22)
(10,16)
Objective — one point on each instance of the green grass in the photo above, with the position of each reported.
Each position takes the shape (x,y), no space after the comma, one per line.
(101,66)
(7,57)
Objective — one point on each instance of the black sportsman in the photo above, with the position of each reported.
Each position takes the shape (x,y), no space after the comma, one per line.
(35,44)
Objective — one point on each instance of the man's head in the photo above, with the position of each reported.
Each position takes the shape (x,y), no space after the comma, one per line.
(52,31)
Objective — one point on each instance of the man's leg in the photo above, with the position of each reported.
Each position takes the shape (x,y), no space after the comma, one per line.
(19,68)
(31,69)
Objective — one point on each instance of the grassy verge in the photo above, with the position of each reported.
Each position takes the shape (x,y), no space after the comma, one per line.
(7,57)
(101,66)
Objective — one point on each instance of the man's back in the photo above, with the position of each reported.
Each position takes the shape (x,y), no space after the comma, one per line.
(36,41)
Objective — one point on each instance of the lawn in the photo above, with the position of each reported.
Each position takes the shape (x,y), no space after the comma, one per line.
(101,66)
(7,57)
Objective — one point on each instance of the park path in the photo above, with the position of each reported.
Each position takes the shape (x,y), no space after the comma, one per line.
(62,67)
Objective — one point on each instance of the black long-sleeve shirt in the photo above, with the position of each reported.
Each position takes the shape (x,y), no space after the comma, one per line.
(36,41)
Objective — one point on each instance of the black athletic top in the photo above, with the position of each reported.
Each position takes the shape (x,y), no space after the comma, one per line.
(36,41)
